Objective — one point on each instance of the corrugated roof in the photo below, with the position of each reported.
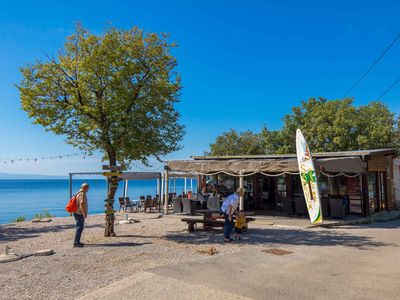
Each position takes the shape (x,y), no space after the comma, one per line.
(357,153)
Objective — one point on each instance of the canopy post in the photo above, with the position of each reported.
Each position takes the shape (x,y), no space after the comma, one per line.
(166,192)
(159,191)
(162,190)
(184,187)
(191,185)
(241,186)
(70,185)
(124,192)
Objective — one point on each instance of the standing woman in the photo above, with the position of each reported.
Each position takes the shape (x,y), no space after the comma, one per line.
(228,208)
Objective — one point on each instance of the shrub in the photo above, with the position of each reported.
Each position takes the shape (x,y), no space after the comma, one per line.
(20,219)
(44,214)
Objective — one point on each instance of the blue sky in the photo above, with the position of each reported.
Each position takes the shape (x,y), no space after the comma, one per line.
(244,64)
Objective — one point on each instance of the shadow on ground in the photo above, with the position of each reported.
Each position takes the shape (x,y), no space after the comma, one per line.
(116,244)
(384,225)
(11,233)
(280,236)
(137,236)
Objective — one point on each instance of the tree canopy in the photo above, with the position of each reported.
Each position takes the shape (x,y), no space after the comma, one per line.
(329,125)
(236,143)
(114,92)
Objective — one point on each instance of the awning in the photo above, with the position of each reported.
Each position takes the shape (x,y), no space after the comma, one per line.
(246,166)
(233,166)
(139,175)
(340,165)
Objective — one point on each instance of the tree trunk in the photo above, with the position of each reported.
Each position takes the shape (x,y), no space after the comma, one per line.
(112,186)
(112,180)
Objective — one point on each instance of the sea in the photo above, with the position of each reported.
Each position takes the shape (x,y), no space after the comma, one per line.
(27,197)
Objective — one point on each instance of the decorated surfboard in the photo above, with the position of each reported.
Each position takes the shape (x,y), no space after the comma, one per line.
(308,179)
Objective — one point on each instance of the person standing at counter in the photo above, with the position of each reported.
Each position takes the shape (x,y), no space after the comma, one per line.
(228,208)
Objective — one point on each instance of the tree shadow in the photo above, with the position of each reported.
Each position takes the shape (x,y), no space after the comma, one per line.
(280,236)
(136,236)
(116,244)
(10,233)
(380,224)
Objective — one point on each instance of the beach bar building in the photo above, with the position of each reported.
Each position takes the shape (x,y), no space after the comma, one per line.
(351,182)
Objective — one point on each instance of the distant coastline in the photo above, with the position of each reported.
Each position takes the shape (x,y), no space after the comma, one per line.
(30,176)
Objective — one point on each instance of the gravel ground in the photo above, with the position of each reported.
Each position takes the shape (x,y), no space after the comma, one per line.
(71,272)
(151,243)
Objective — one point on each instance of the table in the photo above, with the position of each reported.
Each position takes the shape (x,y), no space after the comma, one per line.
(208,219)
(141,202)
(207,213)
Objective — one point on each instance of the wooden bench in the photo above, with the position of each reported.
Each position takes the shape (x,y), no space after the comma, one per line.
(209,223)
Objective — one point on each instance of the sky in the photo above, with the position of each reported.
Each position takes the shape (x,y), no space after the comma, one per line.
(244,64)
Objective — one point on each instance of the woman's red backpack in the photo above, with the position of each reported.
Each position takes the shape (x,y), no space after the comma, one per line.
(72,206)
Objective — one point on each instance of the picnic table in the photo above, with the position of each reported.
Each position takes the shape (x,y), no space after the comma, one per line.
(211,218)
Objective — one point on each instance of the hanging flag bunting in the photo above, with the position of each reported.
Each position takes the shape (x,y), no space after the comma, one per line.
(5,160)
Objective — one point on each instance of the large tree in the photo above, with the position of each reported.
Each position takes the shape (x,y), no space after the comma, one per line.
(329,125)
(114,92)
(339,125)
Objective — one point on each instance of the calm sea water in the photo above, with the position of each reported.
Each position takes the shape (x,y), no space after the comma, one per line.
(29,197)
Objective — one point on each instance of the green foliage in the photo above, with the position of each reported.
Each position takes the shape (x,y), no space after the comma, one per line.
(234,143)
(335,125)
(19,219)
(339,125)
(113,92)
(43,215)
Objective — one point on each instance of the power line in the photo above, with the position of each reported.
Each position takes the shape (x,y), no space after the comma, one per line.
(389,88)
(373,65)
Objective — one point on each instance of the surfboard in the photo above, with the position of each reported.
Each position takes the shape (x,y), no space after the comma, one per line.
(308,179)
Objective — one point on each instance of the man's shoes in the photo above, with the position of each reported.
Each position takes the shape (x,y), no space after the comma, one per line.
(80,245)
(113,234)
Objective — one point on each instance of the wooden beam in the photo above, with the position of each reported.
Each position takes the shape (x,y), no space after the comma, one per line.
(364,194)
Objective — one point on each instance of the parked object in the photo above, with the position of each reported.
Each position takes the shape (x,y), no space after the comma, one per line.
(8,256)
(177,205)
(45,220)
(325,207)
(213,203)
(337,207)
(121,204)
(43,252)
(149,204)
(308,179)
(156,203)
(128,203)
(300,205)
(188,206)
(287,205)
